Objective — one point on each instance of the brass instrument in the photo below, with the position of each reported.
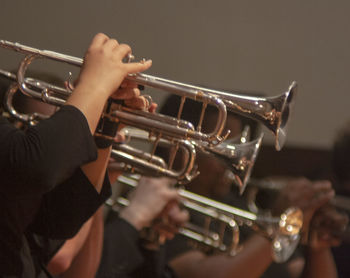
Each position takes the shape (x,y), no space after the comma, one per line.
(238,158)
(132,158)
(273,112)
(284,231)
(155,123)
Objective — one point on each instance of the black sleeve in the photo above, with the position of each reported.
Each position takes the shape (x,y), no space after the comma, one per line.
(68,206)
(121,254)
(34,161)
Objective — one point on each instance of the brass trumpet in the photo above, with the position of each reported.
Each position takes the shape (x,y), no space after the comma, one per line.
(283,231)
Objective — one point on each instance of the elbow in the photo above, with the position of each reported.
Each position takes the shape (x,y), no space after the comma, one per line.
(60,263)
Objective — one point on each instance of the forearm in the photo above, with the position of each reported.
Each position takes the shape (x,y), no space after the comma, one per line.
(90,101)
(86,263)
(64,257)
(257,249)
(319,263)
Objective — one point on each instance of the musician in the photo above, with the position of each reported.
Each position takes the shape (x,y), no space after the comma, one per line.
(53,175)
(341,166)
(255,257)
(126,253)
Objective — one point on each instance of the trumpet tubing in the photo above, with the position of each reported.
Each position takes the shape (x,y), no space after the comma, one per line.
(284,231)
(273,112)
(126,116)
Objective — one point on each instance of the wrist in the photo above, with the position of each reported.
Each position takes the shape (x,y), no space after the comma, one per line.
(134,219)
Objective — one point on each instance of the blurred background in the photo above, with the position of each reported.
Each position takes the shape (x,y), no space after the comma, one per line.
(253,46)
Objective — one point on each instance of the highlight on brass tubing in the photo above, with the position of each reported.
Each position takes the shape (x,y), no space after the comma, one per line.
(284,231)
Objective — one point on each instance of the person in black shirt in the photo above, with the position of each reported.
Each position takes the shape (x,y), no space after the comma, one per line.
(53,177)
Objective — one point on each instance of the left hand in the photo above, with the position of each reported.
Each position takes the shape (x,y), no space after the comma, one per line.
(326,228)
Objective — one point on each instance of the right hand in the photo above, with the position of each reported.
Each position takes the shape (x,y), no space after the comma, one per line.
(148,200)
(103,69)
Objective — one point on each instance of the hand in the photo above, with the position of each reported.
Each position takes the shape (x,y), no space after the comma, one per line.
(148,200)
(170,220)
(306,195)
(103,69)
(327,227)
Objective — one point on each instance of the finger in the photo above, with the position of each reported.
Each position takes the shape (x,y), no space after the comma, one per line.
(321,199)
(126,93)
(177,216)
(139,103)
(122,51)
(111,44)
(120,137)
(138,67)
(99,40)
(153,107)
(128,84)
(322,186)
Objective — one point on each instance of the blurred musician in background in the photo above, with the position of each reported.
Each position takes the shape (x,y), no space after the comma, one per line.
(341,170)
(53,174)
(255,257)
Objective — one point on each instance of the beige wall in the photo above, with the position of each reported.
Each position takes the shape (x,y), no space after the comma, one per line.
(250,45)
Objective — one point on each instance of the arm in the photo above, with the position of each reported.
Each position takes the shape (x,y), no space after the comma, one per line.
(326,229)
(196,264)
(36,161)
(122,254)
(81,256)
(64,257)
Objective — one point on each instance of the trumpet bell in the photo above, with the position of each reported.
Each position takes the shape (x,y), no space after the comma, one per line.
(280,128)
(288,237)
(273,112)
(239,158)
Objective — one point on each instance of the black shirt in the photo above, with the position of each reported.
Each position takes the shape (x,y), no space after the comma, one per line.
(42,187)
(124,256)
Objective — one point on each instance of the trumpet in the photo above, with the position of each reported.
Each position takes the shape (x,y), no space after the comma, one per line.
(161,124)
(132,158)
(284,231)
(238,158)
(273,112)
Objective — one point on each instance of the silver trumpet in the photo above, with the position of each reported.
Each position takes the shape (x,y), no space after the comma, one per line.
(129,159)
(238,158)
(284,231)
(273,112)
(141,119)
